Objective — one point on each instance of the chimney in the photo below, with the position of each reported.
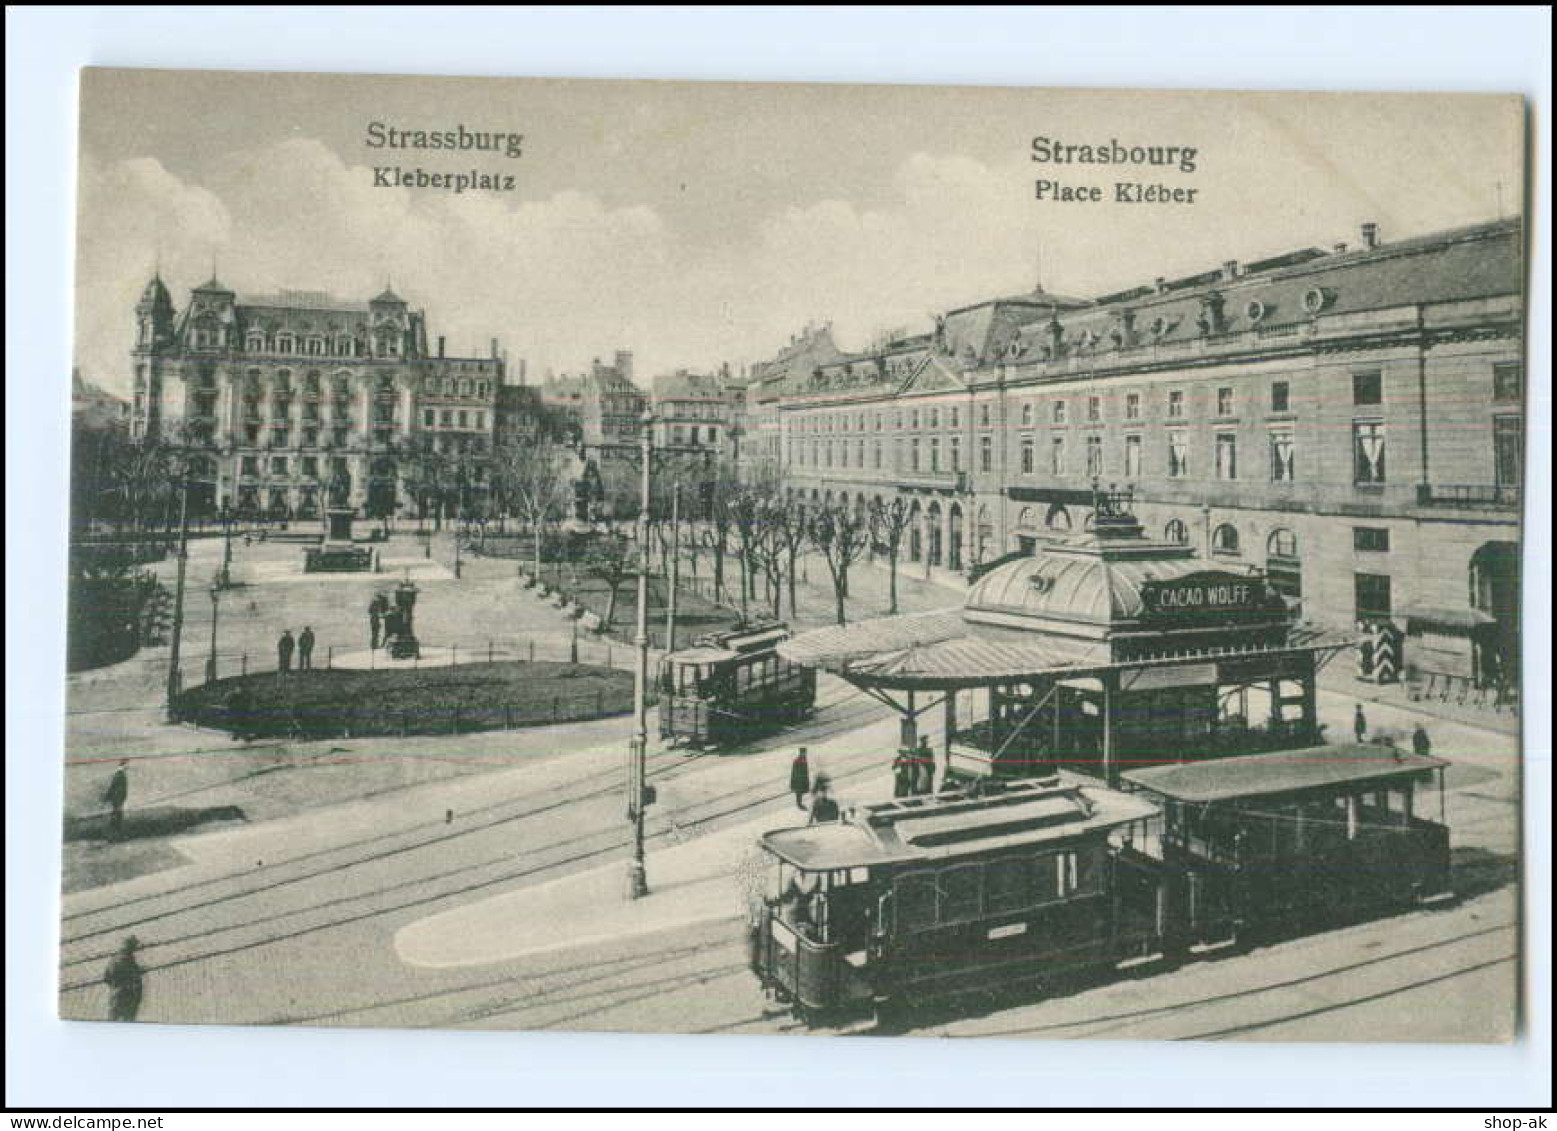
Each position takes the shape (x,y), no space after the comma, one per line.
(494,349)
(624,364)
(1230,270)
(1160,283)
(440,345)
(521,371)
(1370,235)
(1340,249)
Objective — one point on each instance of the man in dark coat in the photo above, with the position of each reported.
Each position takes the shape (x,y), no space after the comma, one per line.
(284,648)
(903,773)
(1360,724)
(800,778)
(305,649)
(823,807)
(376,618)
(125,981)
(1420,742)
(924,768)
(117,793)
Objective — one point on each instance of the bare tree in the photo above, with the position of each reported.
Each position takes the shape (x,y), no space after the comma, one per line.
(791,529)
(840,535)
(613,559)
(533,480)
(888,523)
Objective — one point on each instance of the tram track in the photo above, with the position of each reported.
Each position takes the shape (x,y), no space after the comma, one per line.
(671,760)
(614,843)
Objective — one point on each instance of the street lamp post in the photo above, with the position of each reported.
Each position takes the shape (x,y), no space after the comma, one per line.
(226,575)
(637,751)
(175,677)
(675,567)
(216,597)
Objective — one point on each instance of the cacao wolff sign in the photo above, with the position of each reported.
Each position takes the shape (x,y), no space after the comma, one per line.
(1200,594)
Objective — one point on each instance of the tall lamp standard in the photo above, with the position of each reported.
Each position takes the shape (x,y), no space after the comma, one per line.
(225,577)
(216,597)
(637,750)
(175,677)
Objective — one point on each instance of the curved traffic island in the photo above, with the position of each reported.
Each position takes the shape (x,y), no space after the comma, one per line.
(452,699)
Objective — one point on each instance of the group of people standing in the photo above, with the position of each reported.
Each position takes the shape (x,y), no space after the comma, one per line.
(302,645)
(913,770)
(822,807)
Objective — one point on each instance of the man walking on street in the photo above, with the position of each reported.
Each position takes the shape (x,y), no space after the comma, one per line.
(1360,724)
(376,619)
(284,648)
(1420,742)
(823,807)
(800,778)
(125,981)
(114,797)
(305,649)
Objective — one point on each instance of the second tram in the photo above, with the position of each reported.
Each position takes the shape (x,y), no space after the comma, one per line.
(730,686)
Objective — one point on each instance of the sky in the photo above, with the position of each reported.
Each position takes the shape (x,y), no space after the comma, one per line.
(696,224)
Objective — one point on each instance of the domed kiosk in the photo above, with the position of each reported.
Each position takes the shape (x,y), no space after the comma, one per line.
(1104,651)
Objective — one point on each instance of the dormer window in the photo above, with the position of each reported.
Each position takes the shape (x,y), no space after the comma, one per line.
(285,343)
(255,343)
(316,347)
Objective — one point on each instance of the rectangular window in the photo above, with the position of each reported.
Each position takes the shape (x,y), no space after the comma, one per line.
(1283,456)
(429,417)
(1176,403)
(1368,388)
(1508,382)
(250,465)
(956,454)
(875,456)
(1132,457)
(1027,414)
(1280,396)
(1057,455)
(1368,453)
(1065,877)
(1226,455)
(1370,539)
(448,418)
(1224,401)
(1132,406)
(1373,600)
(310,466)
(1059,412)
(1094,408)
(1178,454)
(986,454)
(1094,456)
(913,454)
(1027,455)
(935,454)
(278,465)
(984,416)
(1508,450)
(954,415)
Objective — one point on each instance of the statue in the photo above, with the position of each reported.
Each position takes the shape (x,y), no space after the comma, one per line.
(340,487)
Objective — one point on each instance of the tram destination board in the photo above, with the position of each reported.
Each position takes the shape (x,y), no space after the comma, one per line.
(810,526)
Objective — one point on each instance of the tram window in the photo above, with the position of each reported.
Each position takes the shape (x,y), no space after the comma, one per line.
(1008,885)
(962,893)
(1065,873)
(914,900)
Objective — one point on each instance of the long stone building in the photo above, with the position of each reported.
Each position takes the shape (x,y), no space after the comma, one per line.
(1350,420)
(278,396)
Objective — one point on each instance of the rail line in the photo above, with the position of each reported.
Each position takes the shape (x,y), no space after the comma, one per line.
(615,844)
(675,759)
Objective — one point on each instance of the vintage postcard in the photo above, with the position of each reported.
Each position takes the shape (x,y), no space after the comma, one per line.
(763,558)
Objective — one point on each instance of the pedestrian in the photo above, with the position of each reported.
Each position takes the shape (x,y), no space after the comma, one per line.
(305,649)
(800,778)
(376,610)
(1360,724)
(823,807)
(115,796)
(903,773)
(1420,742)
(924,770)
(284,648)
(125,981)
(240,714)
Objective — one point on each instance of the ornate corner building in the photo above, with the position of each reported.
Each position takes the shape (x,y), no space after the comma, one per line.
(1350,420)
(277,396)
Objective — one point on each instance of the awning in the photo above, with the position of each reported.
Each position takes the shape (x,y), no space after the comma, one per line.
(932,650)
(1462,620)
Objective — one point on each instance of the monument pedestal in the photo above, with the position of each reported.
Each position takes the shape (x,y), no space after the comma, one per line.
(338,554)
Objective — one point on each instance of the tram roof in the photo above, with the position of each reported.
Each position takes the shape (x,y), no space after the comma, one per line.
(939,651)
(939,827)
(1282,771)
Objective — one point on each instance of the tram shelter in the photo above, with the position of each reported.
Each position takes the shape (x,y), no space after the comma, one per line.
(1105,652)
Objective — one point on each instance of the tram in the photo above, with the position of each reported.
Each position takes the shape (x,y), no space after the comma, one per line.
(729,686)
(1032,881)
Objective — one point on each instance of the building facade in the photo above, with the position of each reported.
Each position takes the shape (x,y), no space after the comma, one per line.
(1351,420)
(278,397)
(603,407)
(693,412)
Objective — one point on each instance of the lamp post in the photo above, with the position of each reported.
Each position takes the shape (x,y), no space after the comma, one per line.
(637,750)
(216,597)
(226,574)
(175,677)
